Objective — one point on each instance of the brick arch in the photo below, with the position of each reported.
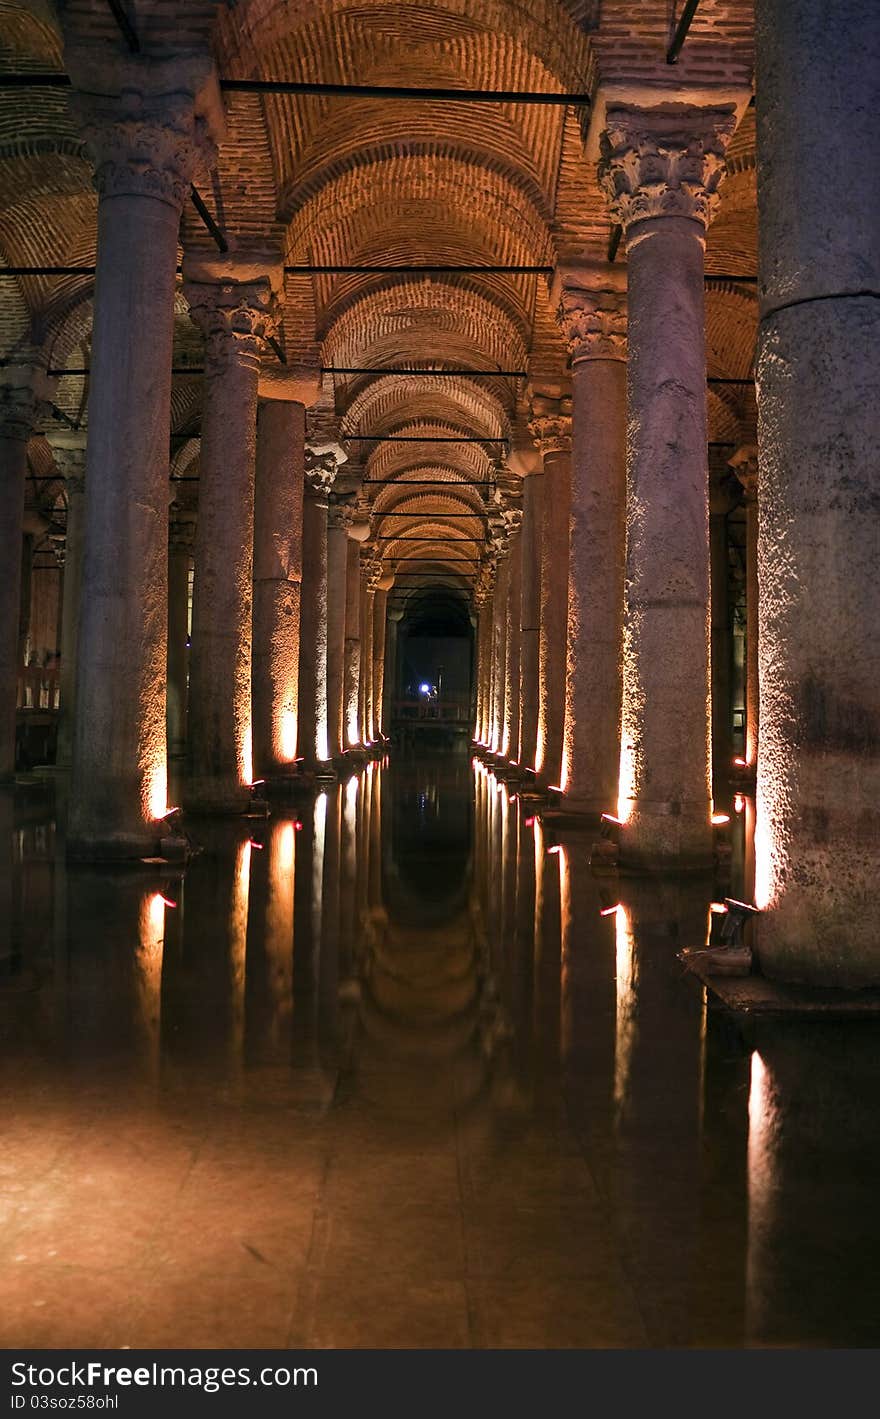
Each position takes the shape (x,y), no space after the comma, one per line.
(382,401)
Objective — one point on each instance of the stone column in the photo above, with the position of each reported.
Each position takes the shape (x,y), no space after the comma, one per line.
(499,644)
(366,687)
(340,516)
(149,135)
(69,451)
(278,565)
(235,307)
(380,605)
(818,789)
(592,315)
(661,170)
(390,686)
(551,429)
(745,465)
(483,598)
(530,615)
(510,735)
(352,668)
(179,563)
(19,396)
(320,472)
(721,652)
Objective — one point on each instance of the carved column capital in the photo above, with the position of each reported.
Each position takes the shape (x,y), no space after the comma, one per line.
(235,317)
(340,512)
(551,433)
(664,162)
(69,454)
(745,465)
(23,391)
(145,144)
(321,467)
(593,323)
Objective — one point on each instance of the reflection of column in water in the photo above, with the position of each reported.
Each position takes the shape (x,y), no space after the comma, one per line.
(308,905)
(658,1086)
(113,970)
(203,983)
(588,997)
(547,948)
(522,981)
(269,978)
(814,1170)
(328,962)
(364,809)
(9,950)
(375,898)
(348,878)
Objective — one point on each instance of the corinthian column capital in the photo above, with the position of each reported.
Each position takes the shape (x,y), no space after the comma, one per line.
(664,162)
(745,465)
(593,322)
(23,391)
(551,432)
(235,316)
(321,466)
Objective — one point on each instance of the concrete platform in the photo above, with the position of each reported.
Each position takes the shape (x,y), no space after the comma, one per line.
(755,995)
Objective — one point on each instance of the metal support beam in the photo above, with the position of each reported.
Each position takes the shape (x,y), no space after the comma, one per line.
(125,25)
(418,95)
(681,30)
(614,242)
(199,204)
(444,374)
(380,270)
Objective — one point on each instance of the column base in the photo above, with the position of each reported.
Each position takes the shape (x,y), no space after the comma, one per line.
(658,837)
(129,848)
(220,796)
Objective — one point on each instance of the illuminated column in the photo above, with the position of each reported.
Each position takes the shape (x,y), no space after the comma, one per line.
(389,692)
(499,641)
(530,615)
(510,727)
(320,473)
(179,562)
(340,516)
(380,605)
(661,171)
(352,667)
(69,451)
(19,398)
(818,792)
(148,145)
(233,303)
(745,465)
(483,599)
(278,556)
(368,573)
(592,315)
(551,429)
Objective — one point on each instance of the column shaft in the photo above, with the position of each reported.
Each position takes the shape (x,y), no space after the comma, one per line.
(337,564)
(179,561)
(380,603)
(554,613)
(278,555)
(530,607)
(13,464)
(352,667)
(510,739)
(817,835)
(499,651)
(313,743)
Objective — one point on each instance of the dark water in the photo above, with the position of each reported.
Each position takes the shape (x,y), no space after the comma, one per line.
(398,1069)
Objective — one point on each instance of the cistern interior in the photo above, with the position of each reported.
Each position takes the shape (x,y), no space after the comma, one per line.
(439,673)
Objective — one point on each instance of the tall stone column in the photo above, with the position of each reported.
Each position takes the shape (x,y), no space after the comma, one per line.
(278,566)
(320,472)
(340,517)
(510,736)
(366,686)
(483,599)
(235,307)
(19,397)
(745,465)
(351,726)
(551,429)
(69,451)
(380,607)
(592,315)
(499,643)
(721,648)
(392,651)
(149,135)
(661,171)
(179,563)
(818,790)
(530,615)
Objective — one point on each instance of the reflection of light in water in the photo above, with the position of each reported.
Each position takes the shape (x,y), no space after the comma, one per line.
(148,974)
(238,944)
(351,793)
(627,976)
(283,848)
(287,736)
(279,928)
(760,1173)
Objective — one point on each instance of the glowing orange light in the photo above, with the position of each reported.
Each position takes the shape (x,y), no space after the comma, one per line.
(719,818)
(610,818)
(610,911)
(555,787)
(168,902)
(739,803)
(741,763)
(556,848)
(256,781)
(717,908)
(529,823)
(253,842)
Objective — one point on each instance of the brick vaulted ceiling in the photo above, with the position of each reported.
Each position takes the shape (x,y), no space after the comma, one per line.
(361,181)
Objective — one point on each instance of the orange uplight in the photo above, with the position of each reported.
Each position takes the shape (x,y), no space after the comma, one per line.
(554,787)
(741,763)
(610,911)
(556,848)
(610,818)
(739,803)
(528,822)
(717,908)
(718,819)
